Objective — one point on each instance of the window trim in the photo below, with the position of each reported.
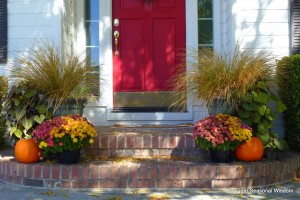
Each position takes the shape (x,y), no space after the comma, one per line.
(3,31)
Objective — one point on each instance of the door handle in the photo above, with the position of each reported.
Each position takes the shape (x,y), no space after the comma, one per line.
(116,35)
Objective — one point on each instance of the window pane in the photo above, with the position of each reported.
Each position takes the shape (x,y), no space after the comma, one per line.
(205,9)
(92,9)
(93,52)
(205,31)
(92,33)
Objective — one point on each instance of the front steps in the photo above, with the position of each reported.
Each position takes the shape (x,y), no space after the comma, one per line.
(144,141)
(152,146)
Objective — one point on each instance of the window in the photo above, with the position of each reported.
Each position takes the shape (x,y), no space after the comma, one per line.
(3,31)
(92,37)
(205,23)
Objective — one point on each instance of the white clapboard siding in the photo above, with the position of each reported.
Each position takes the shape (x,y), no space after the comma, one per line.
(266,41)
(261,24)
(265,29)
(21,20)
(262,16)
(31,20)
(32,6)
(261,4)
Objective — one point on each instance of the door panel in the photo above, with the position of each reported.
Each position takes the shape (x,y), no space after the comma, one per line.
(132,66)
(164,41)
(150,35)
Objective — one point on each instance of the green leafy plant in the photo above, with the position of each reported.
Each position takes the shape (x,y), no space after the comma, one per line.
(255,111)
(58,76)
(288,76)
(276,143)
(25,109)
(213,76)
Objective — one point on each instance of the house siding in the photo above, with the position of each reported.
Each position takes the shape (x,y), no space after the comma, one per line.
(262,25)
(29,21)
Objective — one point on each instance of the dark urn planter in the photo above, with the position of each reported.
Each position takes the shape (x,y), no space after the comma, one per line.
(69,157)
(71,106)
(218,156)
(219,106)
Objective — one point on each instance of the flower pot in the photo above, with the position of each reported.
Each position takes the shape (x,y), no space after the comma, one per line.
(71,106)
(218,156)
(69,157)
(220,106)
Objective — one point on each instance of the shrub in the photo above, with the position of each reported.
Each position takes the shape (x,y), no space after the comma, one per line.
(288,76)
(3,93)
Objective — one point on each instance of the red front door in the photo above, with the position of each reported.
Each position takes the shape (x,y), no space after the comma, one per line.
(147,35)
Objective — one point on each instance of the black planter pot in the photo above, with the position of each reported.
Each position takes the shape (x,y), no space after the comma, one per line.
(218,156)
(219,106)
(69,107)
(69,157)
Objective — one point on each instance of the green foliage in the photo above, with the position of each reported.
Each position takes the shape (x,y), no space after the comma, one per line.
(25,109)
(288,76)
(3,93)
(3,89)
(213,76)
(276,143)
(58,76)
(256,112)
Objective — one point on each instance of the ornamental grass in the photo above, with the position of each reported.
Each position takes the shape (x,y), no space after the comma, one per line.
(57,75)
(207,75)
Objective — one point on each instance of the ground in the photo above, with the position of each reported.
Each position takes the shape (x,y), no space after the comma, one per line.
(289,190)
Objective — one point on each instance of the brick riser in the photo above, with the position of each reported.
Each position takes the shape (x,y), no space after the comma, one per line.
(144,145)
(141,142)
(167,174)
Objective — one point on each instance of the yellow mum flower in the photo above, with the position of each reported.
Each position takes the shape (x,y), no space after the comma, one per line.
(72,136)
(75,140)
(91,141)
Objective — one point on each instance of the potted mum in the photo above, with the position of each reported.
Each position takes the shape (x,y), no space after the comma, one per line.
(64,136)
(221,134)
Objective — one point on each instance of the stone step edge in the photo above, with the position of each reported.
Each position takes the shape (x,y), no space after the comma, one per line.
(149,174)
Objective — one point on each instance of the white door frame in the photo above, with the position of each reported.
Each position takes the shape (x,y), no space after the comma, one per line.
(106,68)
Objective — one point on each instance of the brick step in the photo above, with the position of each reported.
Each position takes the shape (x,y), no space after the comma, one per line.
(157,173)
(144,141)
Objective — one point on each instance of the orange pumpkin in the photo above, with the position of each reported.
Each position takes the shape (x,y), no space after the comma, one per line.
(27,151)
(250,151)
